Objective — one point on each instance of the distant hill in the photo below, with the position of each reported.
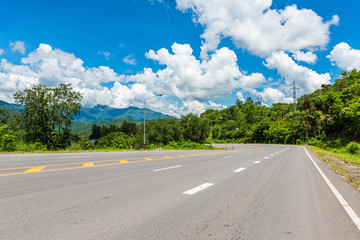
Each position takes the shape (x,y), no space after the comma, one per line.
(11,107)
(102,112)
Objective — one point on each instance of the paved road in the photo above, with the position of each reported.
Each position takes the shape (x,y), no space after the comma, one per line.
(250,192)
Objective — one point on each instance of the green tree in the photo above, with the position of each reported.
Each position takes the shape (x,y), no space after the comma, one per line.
(48,113)
(128,128)
(95,132)
(4,116)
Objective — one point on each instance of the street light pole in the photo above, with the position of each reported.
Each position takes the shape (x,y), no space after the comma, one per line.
(159,95)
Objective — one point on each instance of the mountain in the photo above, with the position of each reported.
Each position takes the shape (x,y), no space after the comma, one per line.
(102,112)
(11,107)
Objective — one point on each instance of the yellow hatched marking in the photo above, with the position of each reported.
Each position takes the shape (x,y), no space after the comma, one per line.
(148,159)
(35,169)
(167,157)
(88,164)
(123,161)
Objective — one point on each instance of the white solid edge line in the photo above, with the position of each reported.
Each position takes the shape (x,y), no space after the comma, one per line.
(342,201)
(162,169)
(198,188)
(228,157)
(239,170)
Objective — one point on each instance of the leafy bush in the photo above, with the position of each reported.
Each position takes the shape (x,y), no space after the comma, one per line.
(7,140)
(87,145)
(353,148)
(117,140)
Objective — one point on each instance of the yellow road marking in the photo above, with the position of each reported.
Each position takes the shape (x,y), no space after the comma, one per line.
(35,169)
(104,163)
(88,164)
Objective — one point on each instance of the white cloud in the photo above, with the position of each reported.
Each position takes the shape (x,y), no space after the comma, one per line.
(240,96)
(186,77)
(129,59)
(18,46)
(250,82)
(307,57)
(106,54)
(254,26)
(345,57)
(272,95)
(306,79)
(191,82)
(1,51)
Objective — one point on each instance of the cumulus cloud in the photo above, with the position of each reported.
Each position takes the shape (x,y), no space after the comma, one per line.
(254,26)
(240,96)
(1,51)
(307,57)
(273,95)
(345,57)
(193,83)
(306,79)
(189,78)
(18,46)
(53,66)
(186,77)
(129,59)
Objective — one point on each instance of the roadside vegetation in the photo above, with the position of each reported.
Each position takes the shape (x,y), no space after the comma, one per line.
(345,161)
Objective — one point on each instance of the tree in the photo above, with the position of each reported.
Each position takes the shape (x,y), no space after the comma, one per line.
(128,128)
(4,116)
(48,113)
(95,132)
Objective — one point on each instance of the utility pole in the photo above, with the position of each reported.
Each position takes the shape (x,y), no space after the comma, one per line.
(294,88)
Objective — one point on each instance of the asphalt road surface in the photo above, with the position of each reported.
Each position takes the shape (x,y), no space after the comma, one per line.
(248,192)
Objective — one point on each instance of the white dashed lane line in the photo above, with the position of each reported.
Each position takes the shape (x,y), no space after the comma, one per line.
(198,188)
(239,170)
(163,169)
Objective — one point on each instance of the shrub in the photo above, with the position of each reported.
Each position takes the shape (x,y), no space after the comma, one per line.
(7,140)
(353,148)
(117,140)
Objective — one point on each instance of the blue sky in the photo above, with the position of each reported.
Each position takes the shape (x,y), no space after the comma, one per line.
(200,53)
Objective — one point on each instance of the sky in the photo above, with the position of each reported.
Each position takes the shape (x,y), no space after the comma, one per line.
(200,54)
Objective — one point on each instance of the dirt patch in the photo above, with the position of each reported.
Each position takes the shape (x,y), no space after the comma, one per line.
(348,171)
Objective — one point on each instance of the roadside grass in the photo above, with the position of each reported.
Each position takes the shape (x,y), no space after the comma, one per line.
(21,147)
(343,163)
